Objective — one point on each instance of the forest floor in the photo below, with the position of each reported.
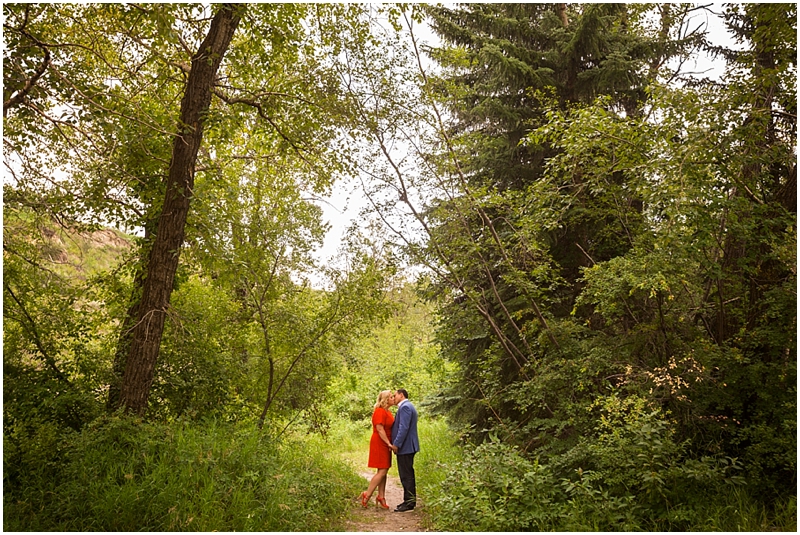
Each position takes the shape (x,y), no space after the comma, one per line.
(376,519)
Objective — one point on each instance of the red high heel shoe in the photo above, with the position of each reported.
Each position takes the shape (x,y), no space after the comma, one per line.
(381,502)
(364,499)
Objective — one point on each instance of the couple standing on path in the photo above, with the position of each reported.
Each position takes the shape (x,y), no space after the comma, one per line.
(401,439)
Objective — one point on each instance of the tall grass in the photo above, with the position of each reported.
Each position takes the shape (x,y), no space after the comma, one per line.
(439,452)
(349,441)
(737,510)
(124,475)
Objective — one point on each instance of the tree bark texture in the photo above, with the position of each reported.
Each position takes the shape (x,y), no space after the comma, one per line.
(124,344)
(163,260)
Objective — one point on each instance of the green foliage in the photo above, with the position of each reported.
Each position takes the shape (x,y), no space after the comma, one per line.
(616,287)
(399,353)
(631,476)
(200,366)
(441,449)
(55,335)
(612,267)
(496,489)
(121,474)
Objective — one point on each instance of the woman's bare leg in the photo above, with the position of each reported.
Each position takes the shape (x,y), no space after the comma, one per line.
(382,484)
(380,475)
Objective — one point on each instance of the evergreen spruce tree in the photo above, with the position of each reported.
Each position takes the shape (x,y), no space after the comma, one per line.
(616,237)
(505,66)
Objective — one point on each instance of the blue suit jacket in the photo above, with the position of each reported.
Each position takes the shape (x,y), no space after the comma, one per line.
(404,430)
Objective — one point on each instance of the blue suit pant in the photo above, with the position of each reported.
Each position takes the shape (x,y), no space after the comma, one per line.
(405,467)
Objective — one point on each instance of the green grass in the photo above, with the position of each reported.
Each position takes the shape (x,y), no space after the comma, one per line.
(124,475)
(349,440)
(121,474)
(738,511)
(438,452)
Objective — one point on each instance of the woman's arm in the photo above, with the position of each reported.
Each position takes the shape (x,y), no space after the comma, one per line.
(382,433)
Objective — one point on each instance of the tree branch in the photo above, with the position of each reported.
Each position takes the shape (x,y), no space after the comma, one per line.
(20,95)
(51,363)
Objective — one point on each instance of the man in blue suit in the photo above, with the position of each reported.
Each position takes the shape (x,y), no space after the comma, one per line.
(406,445)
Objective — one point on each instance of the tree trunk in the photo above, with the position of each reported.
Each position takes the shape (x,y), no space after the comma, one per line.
(124,344)
(562,14)
(163,261)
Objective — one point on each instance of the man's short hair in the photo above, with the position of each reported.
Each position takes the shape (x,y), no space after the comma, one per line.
(403,391)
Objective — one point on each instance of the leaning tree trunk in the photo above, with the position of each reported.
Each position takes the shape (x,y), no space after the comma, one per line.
(163,262)
(114,400)
(124,342)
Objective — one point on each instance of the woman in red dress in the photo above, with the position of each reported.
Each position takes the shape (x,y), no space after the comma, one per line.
(380,448)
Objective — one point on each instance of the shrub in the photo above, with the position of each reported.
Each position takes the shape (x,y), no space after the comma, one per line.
(630,475)
(495,489)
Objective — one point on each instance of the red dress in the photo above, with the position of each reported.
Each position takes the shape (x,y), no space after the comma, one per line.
(380,455)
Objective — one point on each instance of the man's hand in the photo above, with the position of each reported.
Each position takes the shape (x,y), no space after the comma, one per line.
(394,448)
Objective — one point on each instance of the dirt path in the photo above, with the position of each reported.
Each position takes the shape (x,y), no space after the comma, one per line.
(374,518)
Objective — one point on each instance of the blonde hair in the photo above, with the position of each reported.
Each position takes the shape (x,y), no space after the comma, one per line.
(383,399)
